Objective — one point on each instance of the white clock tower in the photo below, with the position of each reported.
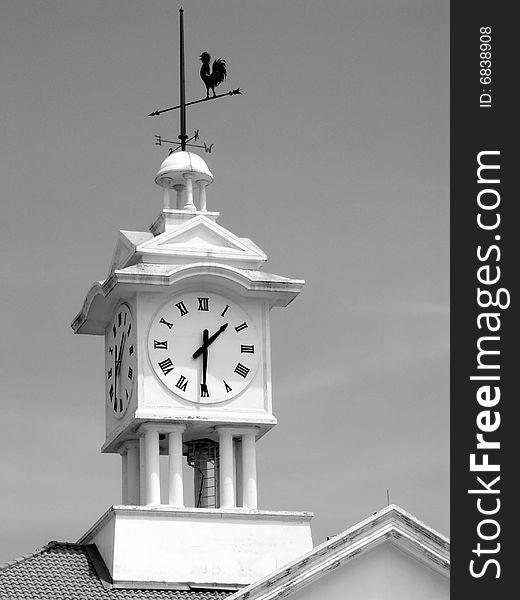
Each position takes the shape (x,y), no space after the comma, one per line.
(184,312)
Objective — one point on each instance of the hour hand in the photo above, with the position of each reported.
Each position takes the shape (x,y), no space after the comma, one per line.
(210,340)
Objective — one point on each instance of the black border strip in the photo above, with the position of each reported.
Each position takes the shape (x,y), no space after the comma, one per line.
(479,124)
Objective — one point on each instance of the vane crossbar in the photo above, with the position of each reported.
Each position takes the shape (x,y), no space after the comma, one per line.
(156,113)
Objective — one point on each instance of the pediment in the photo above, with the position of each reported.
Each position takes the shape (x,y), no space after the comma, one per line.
(200,237)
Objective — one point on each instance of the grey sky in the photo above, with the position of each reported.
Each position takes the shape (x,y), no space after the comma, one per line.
(334,161)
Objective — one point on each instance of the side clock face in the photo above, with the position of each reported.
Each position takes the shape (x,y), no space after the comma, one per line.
(120,360)
(203,347)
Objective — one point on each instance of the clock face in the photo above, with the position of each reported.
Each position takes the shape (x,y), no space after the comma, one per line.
(120,360)
(203,347)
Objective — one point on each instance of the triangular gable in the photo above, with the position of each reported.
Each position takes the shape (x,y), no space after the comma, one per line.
(200,237)
(392,525)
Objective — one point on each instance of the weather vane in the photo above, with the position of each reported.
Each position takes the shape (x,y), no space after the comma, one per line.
(211,79)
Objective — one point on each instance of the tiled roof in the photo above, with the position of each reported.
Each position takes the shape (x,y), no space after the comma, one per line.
(66,571)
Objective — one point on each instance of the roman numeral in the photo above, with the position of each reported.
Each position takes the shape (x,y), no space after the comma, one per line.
(131,350)
(204,391)
(224,311)
(241,370)
(203,303)
(111,392)
(130,372)
(182,308)
(241,326)
(120,404)
(126,393)
(129,329)
(245,349)
(160,345)
(124,323)
(166,366)
(114,330)
(169,325)
(119,319)
(109,374)
(182,384)
(228,389)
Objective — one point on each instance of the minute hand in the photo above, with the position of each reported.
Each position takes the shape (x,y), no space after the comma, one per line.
(210,340)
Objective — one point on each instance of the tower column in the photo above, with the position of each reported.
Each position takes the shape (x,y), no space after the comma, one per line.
(179,189)
(124,476)
(175,479)
(189,192)
(166,198)
(132,473)
(142,479)
(249,490)
(202,194)
(151,464)
(226,467)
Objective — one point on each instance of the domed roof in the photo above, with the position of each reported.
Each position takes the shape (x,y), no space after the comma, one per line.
(177,164)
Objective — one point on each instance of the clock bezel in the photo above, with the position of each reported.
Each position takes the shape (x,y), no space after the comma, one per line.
(133,360)
(252,326)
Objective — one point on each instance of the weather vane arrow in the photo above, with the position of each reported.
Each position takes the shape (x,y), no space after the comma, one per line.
(211,78)
(156,113)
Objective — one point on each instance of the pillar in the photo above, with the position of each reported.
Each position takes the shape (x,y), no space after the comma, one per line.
(166,198)
(226,467)
(142,479)
(175,479)
(249,490)
(239,478)
(133,476)
(202,194)
(151,465)
(124,476)
(189,192)
(179,188)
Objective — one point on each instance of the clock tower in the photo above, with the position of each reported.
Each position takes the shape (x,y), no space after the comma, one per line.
(184,313)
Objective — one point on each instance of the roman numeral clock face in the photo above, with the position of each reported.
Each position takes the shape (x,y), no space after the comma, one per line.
(120,360)
(203,347)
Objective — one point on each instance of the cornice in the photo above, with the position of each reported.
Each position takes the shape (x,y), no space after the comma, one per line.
(279,291)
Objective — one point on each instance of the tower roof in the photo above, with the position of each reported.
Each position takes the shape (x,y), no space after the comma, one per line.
(179,165)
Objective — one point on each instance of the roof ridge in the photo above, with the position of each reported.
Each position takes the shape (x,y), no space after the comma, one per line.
(52,544)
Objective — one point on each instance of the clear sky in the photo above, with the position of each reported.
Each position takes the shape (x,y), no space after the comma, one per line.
(334,161)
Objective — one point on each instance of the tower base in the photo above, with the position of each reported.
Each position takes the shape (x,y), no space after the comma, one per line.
(162,546)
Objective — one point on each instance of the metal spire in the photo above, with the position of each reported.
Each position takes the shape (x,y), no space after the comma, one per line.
(182,136)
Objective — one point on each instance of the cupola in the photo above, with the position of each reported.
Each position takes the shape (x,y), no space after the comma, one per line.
(180,171)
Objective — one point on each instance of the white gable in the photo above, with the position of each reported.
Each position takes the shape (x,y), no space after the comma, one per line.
(201,238)
(385,572)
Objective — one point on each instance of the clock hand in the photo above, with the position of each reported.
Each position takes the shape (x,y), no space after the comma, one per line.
(118,366)
(212,338)
(115,371)
(203,387)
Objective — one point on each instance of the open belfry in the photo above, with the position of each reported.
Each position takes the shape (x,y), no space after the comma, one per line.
(184,313)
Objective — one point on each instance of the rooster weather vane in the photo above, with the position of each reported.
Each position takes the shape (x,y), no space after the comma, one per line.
(211,78)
